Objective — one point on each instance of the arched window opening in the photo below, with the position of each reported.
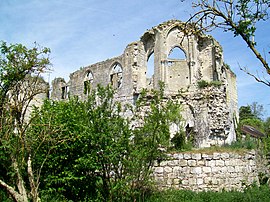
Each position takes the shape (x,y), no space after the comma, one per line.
(177,54)
(88,80)
(63,94)
(150,68)
(215,75)
(116,76)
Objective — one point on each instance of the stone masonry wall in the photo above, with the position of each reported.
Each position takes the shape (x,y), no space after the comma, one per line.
(205,172)
(208,112)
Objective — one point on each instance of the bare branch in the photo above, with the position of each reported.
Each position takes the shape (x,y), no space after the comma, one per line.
(236,16)
(257,78)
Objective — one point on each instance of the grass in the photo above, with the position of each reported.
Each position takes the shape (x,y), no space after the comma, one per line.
(250,194)
(239,147)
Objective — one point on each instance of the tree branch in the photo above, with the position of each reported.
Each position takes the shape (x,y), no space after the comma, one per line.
(13,193)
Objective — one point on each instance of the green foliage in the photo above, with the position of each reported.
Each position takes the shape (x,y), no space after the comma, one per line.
(20,69)
(227,66)
(250,115)
(245,113)
(267,126)
(252,194)
(203,84)
(97,155)
(247,143)
(17,61)
(266,141)
(4,197)
(181,142)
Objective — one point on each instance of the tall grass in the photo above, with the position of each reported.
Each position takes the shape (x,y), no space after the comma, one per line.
(250,194)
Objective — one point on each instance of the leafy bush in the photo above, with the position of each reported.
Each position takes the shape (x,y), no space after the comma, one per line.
(203,84)
(99,156)
(181,143)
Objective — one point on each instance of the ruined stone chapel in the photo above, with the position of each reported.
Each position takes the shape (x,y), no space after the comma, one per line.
(189,63)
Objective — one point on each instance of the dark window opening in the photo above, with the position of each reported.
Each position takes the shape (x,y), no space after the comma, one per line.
(63,94)
(189,132)
(215,75)
(116,76)
(87,84)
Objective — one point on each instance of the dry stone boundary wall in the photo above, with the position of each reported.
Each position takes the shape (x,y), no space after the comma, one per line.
(205,172)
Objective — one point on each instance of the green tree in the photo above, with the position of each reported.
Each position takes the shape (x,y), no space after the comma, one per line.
(20,82)
(104,156)
(245,113)
(267,126)
(257,109)
(239,17)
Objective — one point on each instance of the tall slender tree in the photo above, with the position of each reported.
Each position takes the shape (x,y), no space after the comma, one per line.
(20,83)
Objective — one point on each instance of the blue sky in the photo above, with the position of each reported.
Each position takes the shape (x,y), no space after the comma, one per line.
(83,32)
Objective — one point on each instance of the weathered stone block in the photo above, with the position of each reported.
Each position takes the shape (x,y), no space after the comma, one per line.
(206,169)
(191,163)
(176,181)
(224,170)
(183,162)
(178,156)
(159,169)
(187,156)
(216,155)
(196,170)
(220,163)
(215,169)
(192,181)
(169,181)
(252,162)
(167,169)
(224,155)
(228,162)
(163,163)
(230,169)
(210,163)
(201,162)
(207,156)
(199,181)
(238,169)
(185,170)
(171,176)
(173,162)
(185,182)
(197,156)
(177,170)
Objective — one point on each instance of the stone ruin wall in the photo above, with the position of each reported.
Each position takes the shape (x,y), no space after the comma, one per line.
(207,172)
(209,111)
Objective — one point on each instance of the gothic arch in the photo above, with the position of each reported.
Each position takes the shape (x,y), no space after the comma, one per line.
(87,82)
(177,53)
(116,75)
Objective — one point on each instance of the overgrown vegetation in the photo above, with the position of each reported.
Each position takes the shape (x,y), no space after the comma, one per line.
(203,84)
(92,150)
(76,150)
(20,82)
(251,194)
(102,158)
